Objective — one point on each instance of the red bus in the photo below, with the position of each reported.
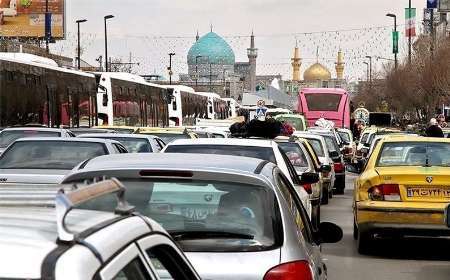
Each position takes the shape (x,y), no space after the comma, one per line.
(332,104)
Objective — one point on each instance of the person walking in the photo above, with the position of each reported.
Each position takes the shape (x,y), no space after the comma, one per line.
(434,130)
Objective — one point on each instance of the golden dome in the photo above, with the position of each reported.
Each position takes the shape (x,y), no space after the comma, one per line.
(317,72)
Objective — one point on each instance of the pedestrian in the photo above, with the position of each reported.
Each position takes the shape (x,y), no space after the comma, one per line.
(434,130)
(441,121)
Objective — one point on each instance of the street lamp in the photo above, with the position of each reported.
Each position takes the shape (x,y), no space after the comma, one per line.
(395,30)
(367,72)
(106,42)
(196,70)
(370,67)
(170,67)
(79,44)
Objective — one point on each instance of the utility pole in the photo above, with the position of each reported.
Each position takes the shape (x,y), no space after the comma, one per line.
(367,71)
(170,67)
(79,44)
(106,42)
(48,27)
(395,39)
(370,68)
(410,35)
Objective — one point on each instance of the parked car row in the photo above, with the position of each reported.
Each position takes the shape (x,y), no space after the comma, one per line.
(220,204)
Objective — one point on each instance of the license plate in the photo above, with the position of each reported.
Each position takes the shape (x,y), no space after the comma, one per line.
(428,192)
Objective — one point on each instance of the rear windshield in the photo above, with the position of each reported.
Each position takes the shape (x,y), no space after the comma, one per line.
(414,154)
(317,147)
(331,144)
(264,153)
(169,137)
(294,153)
(62,155)
(133,145)
(344,136)
(9,136)
(205,215)
(323,101)
(297,123)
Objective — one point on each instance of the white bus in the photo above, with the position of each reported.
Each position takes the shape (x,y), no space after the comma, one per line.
(125,99)
(217,107)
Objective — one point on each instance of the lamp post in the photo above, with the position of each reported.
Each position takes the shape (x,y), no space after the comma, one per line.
(395,30)
(196,70)
(370,67)
(106,42)
(79,44)
(170,67)
(409,37)
(47,32)
(367,72)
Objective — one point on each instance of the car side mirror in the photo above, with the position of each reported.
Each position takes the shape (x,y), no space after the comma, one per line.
(309,178)
(353,169)
(325,168)
(447,218)
(329,233)
(334,154)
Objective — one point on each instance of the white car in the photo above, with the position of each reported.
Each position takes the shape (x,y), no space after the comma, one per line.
(252,148)
(349,145)
(36,244)
(47,160)
(9,135)
(135,143)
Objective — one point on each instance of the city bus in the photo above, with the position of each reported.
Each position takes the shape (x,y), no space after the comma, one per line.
(125,99)
(218,108)
(35,91)
(332,104)
(186,106)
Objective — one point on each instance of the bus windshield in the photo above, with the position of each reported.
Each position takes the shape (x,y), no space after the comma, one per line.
(323,101)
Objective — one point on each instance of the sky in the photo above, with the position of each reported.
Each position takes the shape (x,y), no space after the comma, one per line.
(150,29)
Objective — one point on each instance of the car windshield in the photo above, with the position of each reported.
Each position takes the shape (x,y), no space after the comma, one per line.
(63,155)
(331,144)
(323,101)
(344,136)
(317,147)
(9,136)
(264,153)
(414,154)
(204,215)
(294,153)
(169,137)
(134,145)
(297,123)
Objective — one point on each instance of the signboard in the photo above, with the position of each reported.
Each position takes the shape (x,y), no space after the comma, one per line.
(395,41)
(444,6)
(27,18)
(410,26)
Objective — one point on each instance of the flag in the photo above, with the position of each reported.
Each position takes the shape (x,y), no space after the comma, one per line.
(410,16)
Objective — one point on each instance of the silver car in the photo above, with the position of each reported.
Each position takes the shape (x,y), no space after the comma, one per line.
(47,160)
(234,217)
(9,135)
(135,143)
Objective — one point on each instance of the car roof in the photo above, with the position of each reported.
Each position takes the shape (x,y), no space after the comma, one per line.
(173,161)
(28,128)
(29,234)
(116,135)
(72,139)
(410,138)
(308,135)
(225,141)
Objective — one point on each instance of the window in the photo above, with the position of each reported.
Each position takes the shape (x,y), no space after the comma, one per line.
(323,101)
(316,144)
(167,263)
(295,154)
(133,145)
(264,153)
(344,136)
(414,154)
(296,208)
(135,270)
(9,136)
(290,168)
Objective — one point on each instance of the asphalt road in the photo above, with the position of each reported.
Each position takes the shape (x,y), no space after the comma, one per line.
(408,259)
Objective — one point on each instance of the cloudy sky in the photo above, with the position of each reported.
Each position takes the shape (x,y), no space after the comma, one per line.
(149,29)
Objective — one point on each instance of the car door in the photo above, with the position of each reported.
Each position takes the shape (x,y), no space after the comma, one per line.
(165,259)
(303,223)
(129,264)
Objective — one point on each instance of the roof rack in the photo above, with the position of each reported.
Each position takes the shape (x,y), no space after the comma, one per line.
(66,201)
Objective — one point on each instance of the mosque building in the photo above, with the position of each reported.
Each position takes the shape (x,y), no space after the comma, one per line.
(315,76)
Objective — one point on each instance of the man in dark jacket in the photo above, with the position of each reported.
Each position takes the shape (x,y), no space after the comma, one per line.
(434,130)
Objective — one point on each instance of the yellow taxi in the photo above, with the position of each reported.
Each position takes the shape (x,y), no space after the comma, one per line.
(403,190)
(168,134)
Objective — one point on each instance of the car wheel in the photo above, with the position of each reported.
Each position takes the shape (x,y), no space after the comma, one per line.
(325,196)
(364,242)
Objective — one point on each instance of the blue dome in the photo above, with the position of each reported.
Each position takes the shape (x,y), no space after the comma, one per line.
(213,49)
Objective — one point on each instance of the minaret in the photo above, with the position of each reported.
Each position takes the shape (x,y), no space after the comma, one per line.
(252,54)
(296,64)
(197,37)
(340,66)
